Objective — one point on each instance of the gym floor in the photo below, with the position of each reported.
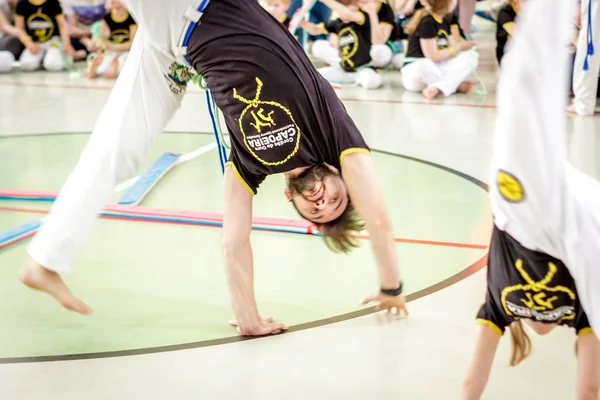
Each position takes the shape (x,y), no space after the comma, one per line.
(159,328)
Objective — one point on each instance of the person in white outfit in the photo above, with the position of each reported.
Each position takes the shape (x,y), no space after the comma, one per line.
(116,34)
(282,116)
(587,60)
(10,46)
(42,27)
(435,62)
(350,50)
(543,265)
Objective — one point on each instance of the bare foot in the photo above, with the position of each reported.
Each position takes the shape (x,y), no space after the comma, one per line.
(113,70)
(37,277)
(430,93)
(93,67)
(466,87)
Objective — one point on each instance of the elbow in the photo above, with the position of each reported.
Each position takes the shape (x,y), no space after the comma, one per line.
(381,224)
(471,390)
(231,244)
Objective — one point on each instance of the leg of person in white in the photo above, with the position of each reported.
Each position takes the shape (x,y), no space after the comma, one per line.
(6,61)
(537,196)
(30,61)
(54,59)
(585,83)
(136,112)
(381,55)
(419,74)
(336,74)
(455,71)
(324,51)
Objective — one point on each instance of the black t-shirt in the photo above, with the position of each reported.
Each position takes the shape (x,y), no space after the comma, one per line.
(354,41)
(40,18)
(280,112)
(285,21)
(120,30)
(506,16)
(429,28)
(526,284)
(386,16)
(452,19)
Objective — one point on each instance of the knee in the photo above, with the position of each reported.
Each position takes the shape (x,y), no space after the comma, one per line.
(398,60)
(471,58)
(369,79)
(6,61)
(381,55)
(320,47)
(29,62)
(54,61)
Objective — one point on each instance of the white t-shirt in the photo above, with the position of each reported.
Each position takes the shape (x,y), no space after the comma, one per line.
(162,22)
(86,11)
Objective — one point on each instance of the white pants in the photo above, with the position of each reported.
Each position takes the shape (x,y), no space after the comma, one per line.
(585,83)
(365,77)
(547,205)
(6,61)
(445,76)
(107,60)
(50,56)
(139,106)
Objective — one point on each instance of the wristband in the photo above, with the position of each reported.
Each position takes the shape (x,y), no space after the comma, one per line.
(452,52)
(394,292)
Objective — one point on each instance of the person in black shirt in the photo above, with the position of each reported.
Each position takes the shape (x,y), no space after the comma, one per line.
(353,52)
(435,63)
(283,117)
(42,27)
(117,30)
(543,259)
(505,26)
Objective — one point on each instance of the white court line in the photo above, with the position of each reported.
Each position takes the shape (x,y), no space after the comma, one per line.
(186,157)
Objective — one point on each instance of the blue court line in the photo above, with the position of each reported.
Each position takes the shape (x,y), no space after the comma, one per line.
(27,198)
(136,193)
(19,231)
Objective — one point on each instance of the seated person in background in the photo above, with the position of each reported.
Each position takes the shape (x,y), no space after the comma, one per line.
(10,45)
(116,34)
(353,54)
(278,9)
(42,28)
(81,14)
(435,63)
(505,26)
(319,14)
(379,30)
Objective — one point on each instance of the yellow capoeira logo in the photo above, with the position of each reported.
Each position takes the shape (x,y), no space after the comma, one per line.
(260,120)
(538,299)
(349,44)
(269,126)
(509,187)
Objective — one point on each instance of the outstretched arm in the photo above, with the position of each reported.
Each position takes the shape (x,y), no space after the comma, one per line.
(588,368)
(360,178)
(478,372)
(237,255)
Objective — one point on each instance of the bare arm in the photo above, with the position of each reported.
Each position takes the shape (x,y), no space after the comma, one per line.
(478,372)
(360,177)
(588,367)
(74,30)
(7,27)
(343,12)
(431,51)
(237,255)
(510,28)
(125,45)
(63,30)
(380,33)
(313,29)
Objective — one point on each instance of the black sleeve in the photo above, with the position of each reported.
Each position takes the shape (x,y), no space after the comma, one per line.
(453,20)
(333,26)
(130,21)
(490,316)
(427,28)
(21,9)
(505,16)
(386,15)
(249,180)
(56,9)
(582,325)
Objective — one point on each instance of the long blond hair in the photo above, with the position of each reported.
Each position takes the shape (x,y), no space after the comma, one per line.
(521,343)
(433,6)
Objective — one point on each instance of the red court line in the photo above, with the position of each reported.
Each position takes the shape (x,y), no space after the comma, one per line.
(192,91)
(362,237)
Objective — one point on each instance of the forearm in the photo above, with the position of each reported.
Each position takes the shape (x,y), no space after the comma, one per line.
(240,278)
(341,10)
(384,248)
(444,54)
(377,36)
(63,30)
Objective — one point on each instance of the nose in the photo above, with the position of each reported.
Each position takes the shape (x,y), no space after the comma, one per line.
(320,203)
